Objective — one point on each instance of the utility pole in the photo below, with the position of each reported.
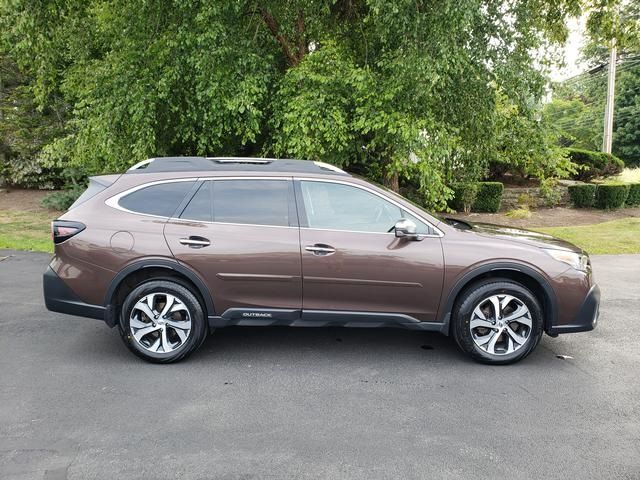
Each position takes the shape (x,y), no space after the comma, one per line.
(608,111)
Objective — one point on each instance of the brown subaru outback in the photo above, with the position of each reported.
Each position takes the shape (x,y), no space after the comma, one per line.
(177,247)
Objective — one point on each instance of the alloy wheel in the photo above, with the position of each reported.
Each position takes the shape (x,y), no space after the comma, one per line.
(160,322)
(500,324)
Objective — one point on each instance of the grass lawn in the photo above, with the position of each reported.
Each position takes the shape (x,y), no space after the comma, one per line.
(26,230)
(629,175)
(617,236)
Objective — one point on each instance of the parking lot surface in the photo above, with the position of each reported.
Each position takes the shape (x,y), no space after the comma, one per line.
(286,403)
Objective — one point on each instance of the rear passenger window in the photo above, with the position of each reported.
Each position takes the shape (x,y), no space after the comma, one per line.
(257,202)
(161,199)
(199,207)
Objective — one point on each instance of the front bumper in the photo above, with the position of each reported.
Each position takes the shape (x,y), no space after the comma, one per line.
(587,316)
(58,297)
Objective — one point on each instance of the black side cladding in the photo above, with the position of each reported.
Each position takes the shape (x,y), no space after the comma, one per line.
(58,297)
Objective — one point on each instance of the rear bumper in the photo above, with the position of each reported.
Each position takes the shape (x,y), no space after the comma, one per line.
(587,317)
(58,297)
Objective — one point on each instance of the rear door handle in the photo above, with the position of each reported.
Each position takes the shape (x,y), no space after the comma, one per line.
(320,249)
(195,242)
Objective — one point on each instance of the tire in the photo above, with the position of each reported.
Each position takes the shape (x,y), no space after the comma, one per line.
(160,338)
(518,325)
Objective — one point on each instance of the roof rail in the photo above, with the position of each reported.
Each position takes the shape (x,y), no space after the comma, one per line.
(141,165)
(234,164)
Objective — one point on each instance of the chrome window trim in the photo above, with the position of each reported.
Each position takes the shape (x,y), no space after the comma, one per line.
(422,235)
(113,201)
(187,220)
(439,233)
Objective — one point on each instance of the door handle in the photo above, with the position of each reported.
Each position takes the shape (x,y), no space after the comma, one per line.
(195,242)
(320,249)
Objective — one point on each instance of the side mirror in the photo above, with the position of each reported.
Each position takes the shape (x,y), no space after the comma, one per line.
(405,228)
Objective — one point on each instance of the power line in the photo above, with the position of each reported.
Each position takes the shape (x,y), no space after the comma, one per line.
(585,122)
(593,118)
(597,76)
(626,63)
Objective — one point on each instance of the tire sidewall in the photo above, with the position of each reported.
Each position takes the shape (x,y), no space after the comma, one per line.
(473,296)
(198,324)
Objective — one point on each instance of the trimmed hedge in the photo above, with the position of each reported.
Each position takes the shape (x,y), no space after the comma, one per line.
(633,198)
(594,164)
(488,197)
(582,195)
(611,195)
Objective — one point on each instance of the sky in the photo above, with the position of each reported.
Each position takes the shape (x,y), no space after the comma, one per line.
(572,48)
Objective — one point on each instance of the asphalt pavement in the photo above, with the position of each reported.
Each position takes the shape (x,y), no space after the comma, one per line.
(286,403)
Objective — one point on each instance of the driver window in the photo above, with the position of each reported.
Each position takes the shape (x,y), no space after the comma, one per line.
(335,206)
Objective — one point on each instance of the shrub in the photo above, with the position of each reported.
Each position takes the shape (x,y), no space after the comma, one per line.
(62,199)
(633,198)
(488,197)
(464,194)
(549,192)
(28,173)
(582,195)
(611,195)
(519,213)
(594,164)
(525,200)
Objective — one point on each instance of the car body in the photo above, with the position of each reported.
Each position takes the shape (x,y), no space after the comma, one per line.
(301,243)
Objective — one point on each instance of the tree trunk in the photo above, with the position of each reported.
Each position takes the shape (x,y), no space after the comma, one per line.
(392,181)
(295,49)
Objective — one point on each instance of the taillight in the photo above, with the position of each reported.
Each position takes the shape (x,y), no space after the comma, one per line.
(62,230)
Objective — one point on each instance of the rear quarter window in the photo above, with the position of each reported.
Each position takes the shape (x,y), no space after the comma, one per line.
(161,199)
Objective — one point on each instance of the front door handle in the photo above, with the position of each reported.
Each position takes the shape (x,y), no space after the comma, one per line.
(320,249)
(195,242)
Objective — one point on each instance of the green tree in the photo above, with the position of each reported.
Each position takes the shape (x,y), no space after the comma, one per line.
(619,22)
(577,110)
(25,130)
(401,91)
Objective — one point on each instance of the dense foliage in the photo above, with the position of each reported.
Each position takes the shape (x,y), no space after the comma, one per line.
(488,197)
(415,92)
(25,129)
(577,109)
(633,199)
(592,164)
(611,195)
(464,195)
(63,199)
(582,194)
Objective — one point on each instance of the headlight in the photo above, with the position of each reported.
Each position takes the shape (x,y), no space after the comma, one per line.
(576,260)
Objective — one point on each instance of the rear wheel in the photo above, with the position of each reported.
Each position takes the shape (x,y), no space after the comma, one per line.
(162,321)
(497,321)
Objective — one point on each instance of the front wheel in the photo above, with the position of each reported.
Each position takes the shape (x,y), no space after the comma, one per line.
(162,321)
(497,321)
